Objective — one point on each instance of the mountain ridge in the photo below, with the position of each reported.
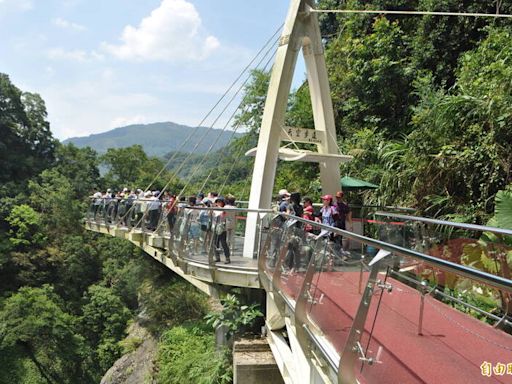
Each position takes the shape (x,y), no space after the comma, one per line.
(157,139)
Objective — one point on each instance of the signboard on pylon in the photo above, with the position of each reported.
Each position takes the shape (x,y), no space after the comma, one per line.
(302,135)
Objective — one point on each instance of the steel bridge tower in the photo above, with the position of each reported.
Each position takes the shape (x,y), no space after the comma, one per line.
(301,32)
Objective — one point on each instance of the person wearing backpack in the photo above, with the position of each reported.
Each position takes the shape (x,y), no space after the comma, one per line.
(294,207)
(292,258)
(308,213)
(171,210)
(220,237)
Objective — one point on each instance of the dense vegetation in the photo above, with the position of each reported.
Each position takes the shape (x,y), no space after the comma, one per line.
(66,295)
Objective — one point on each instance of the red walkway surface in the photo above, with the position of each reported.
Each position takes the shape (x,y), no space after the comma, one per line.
(451,350)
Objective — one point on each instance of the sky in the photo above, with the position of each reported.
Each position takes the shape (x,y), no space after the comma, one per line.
(103,64)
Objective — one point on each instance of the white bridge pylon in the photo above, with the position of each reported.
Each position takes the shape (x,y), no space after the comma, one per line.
(301,32)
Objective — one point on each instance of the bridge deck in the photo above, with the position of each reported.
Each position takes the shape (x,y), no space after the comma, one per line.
(452,346)
(451,349)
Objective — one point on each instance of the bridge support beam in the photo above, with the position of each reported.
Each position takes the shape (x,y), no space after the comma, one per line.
(301,31)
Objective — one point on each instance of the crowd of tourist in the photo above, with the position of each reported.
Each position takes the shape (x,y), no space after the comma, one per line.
(334,211)
(136,205)
(217,225)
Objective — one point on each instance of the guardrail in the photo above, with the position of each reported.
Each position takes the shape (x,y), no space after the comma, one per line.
(313,294)
(367,316)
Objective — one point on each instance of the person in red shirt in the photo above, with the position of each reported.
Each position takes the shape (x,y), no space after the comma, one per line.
(308,213)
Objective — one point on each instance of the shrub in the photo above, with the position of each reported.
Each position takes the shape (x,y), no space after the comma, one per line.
(187,355)
(235,316)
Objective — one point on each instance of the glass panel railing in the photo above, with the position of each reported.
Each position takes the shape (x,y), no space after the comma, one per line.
(334,295)
(221,222)
(236,223)
(481,248)
(410,336)
(295,254)
(101,212)
(178,234)
(192,246)
(123,208)
(92,211)
(391,319)
(271,245)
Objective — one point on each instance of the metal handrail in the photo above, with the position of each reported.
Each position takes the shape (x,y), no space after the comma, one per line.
(472,227)
(349,354)
(449,297)
(471,273)
(230,209)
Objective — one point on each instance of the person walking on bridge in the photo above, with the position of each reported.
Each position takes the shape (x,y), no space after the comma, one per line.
(344,217)
(220,238)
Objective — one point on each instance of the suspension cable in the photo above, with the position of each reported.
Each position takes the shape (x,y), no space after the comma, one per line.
(226,106)
(245,140)
(411,13)
(245,109)
(190,178)
(219,115)
(192,134)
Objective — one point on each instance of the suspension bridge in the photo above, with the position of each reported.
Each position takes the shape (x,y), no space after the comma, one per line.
(381,309)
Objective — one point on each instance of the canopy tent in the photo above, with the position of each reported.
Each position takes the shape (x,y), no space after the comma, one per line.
(351,183)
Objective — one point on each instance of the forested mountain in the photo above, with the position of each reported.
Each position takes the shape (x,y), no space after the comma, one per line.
(156,139)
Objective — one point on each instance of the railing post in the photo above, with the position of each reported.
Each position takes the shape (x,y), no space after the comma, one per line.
(351,352)
(423,291)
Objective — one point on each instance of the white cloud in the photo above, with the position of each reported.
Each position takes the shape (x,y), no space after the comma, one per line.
(17,5)
(128,120)
(50,71)
(78,55)
(172,32)
(65,24)
(70,105)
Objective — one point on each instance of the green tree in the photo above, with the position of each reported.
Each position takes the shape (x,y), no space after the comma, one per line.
(187,354)
(438,42)
(80,167)
(123,267)
(51,196)
(32,319)
(169,304)
(255,94)
(130,167)
(103,323)
(37,133)
(26,145)
(80,267)
(234,315)
(25,227)
(370,84)
(124,164)
(462,138)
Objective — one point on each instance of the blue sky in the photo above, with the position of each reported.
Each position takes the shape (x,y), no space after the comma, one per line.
(102,64)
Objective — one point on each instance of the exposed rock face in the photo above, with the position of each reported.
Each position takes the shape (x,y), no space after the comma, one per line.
(136,367)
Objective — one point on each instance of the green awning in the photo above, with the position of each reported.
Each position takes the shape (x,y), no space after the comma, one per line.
(351,183)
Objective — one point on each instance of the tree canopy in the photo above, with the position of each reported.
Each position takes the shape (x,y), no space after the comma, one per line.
(26,143)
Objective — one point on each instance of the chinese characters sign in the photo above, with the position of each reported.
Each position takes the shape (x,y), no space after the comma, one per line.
(302,135)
